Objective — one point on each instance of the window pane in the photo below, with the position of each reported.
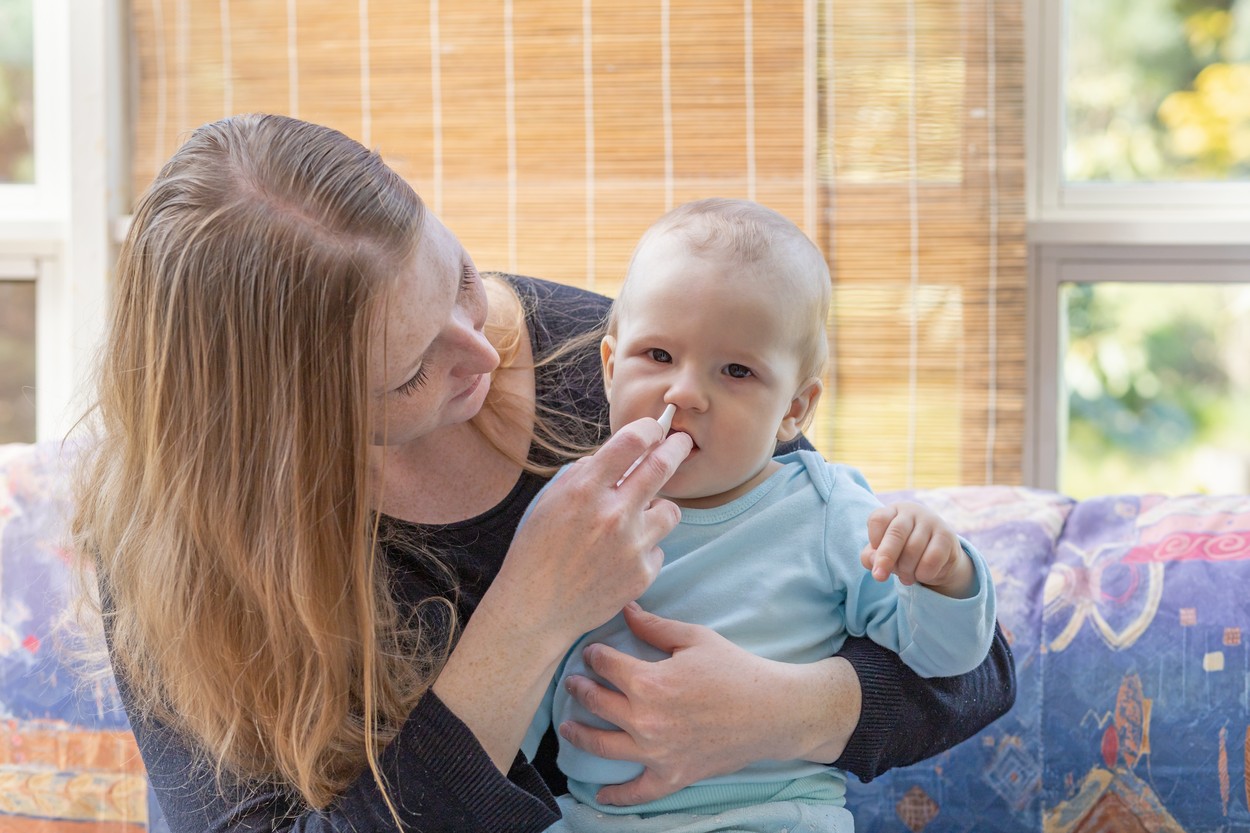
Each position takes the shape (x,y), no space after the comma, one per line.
(1157,90)
(17,99)
(1158,388)
(17,361)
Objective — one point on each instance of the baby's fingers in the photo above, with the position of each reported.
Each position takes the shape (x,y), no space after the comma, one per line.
(878,522)
(939,558)
(890,543)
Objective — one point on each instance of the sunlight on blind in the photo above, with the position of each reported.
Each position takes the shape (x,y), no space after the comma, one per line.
(922,185)
(549,137)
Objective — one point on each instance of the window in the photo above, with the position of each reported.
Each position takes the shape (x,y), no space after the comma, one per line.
(33,125)
(17,350)
(1156,91)
(1157,376)
(17,176)
(1142,369)
(1137,111)
(1139,214)
(59,122)
(17,92)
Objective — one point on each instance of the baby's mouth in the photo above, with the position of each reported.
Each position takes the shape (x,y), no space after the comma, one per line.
(666,422)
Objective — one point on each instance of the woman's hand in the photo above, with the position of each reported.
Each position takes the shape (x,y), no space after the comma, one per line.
(709,709)
(588,547)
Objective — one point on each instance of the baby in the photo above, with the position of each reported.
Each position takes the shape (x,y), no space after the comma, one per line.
(722,315)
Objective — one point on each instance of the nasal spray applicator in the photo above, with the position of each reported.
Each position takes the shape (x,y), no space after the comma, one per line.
(666,422)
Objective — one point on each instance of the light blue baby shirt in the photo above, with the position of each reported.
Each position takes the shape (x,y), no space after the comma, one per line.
(777,572)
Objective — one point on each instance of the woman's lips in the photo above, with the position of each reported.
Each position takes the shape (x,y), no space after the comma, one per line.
(473,386)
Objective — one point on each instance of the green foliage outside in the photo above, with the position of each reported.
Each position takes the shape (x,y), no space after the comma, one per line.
(17,109)
(1157,90)
(1158,379)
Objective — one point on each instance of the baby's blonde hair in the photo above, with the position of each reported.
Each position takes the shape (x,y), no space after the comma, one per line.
(745,232)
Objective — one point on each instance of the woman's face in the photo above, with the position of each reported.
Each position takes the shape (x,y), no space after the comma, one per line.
(431,361)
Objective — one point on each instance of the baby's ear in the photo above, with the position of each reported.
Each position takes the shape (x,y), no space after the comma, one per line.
(802,408)
(607,355)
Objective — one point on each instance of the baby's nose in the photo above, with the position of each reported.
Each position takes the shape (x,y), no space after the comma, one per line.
(686,394)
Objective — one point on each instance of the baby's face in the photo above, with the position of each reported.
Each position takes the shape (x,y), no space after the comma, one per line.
(722,347)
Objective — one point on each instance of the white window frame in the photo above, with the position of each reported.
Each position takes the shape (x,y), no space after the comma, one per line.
(41,204)
(1060,264)
(33,262)
(1118,205)
(58,231)
(1102,232)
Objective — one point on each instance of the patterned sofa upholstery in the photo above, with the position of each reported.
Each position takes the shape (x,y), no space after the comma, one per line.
(1126,616)
(67,759)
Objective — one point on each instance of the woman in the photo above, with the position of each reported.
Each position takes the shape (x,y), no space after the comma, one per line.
(309,474)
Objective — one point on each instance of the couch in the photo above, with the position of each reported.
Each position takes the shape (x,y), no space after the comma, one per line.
(1125,614)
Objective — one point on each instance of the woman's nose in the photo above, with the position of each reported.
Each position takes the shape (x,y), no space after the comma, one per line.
(475,352)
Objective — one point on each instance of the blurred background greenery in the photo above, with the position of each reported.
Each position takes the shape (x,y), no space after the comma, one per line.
(17,361)
(1158,381)
(1157,90)
(17,110)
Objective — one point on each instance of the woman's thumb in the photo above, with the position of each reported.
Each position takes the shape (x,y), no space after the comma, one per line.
(668,635)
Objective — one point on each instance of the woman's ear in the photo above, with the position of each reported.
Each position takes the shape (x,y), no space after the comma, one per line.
(802,408)
(607,355)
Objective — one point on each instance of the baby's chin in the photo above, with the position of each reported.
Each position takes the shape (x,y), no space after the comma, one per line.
(691,496)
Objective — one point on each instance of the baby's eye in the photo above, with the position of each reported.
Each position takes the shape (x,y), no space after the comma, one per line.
(658,355)
(738,371)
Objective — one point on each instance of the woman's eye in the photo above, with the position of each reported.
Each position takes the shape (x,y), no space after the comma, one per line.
(467,276)
(658,355)
(738,371)
(414,384)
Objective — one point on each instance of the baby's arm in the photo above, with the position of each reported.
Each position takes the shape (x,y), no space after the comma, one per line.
(940,631)
(914,543)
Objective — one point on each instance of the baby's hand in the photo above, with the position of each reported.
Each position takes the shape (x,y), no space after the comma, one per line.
(912,542)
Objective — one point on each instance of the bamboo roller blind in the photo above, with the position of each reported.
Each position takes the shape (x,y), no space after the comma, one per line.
(922,189)
(549,135)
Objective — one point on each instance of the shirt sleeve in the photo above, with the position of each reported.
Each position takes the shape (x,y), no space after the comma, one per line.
(905,718)
(439,780)
(935,634)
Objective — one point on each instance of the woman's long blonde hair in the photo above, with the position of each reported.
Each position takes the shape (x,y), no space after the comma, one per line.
(226,504)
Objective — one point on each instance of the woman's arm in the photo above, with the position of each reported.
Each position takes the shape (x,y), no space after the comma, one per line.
(712,708)
(589,546)
(439,779)
(905,718)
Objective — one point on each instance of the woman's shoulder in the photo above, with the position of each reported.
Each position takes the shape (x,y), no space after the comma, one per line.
(557,312)
(554,291)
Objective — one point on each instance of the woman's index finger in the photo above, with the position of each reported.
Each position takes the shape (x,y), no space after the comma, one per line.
(629,451)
